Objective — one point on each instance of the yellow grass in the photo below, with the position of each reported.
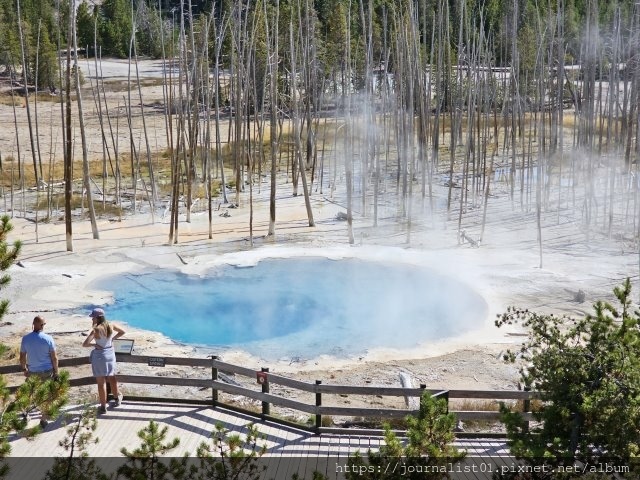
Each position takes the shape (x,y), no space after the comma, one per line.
(108,208)
(11,354)
(469,405)
(123,85)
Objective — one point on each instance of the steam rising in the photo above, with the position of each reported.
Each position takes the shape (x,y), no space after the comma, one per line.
(301,307)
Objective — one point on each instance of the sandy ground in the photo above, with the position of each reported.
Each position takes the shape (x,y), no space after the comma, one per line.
(114,74)
(505,270)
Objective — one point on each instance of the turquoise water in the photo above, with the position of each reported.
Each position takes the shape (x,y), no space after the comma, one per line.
(298,307)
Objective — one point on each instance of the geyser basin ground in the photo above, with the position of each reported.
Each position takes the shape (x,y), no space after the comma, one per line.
(299,307)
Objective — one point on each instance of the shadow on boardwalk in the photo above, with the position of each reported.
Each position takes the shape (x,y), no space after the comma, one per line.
(289,450)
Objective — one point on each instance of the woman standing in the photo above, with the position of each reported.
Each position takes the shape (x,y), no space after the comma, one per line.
(103,357)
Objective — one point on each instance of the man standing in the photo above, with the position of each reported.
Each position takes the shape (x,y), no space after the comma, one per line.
(38,355)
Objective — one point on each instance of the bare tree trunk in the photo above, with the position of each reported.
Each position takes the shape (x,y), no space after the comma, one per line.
(68,161)
(273,93)
(219,36)
(296,132)
(36,173)
(153,196)
(35,106)
(191,81)
(15,125)
(85,158)
(207,141)
(346,92)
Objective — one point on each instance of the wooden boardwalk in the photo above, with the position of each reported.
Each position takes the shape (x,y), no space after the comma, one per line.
(289,450)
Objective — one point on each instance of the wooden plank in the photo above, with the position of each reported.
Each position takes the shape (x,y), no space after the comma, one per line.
(294,462)
(309,462)
(371,432)
(494,394)
(179,381)
(289,382)
(275,443)
(294,384)
(283,453)
(290,442)
(182,361)
(113,437)
(264,397)
(230,368)
(82,381)
(377,441)
(74,362)
(347,389)
(369,390)
(73,383)
(344,450)
(287,446)
(486,456)
(483,415)
(194,425)
(268,433)
(326,465)
(62,363)
(289,423)
(164,400)
(358,445)
(364,412)
(271,464)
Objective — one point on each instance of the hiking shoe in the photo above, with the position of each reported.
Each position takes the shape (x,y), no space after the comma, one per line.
(118,399)
(43,423)
(102,409)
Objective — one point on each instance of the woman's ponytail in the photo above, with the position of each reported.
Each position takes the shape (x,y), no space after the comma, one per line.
(108,328)
(101,320)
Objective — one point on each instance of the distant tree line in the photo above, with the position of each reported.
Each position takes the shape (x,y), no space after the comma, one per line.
(40,32)
(423,69)
(109,26)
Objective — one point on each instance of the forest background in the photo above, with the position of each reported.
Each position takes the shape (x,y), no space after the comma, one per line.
(439,98)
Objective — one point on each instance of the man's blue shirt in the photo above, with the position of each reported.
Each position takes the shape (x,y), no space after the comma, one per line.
(37,346)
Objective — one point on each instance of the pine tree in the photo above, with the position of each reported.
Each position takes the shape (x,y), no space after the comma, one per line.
(587,373)
(77,465)
(115,27)
(47,396)
(430,437)
(10,420)
(85,20)
(145,462)
(8,256)
(231,456)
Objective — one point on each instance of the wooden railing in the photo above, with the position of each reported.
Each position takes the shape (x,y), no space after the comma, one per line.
(264,380)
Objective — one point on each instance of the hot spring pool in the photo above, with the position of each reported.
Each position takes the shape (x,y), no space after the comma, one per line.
(299,307)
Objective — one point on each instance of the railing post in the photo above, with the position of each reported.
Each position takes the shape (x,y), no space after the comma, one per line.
(266,409)
(318,404)
(214,377)
(526,407)
(423,387)
(442,394)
